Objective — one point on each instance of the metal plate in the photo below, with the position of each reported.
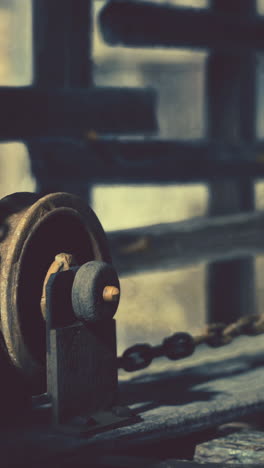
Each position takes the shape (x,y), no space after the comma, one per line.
(37,230)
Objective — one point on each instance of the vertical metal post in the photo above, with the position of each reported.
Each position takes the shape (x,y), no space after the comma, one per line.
(231,87)
(61,58)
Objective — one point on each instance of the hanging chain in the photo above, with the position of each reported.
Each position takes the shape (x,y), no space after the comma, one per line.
(181,345)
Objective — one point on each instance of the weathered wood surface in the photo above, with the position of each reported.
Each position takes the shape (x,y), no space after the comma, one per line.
(69,112)
(242,447)
(77,388)
(173,400)
(146,24)
(176,245)
(212,387)
(116,161)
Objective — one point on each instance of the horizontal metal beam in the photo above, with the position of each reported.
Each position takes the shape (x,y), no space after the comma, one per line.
(29,111)
(176,245)
(143,24)
(116,161)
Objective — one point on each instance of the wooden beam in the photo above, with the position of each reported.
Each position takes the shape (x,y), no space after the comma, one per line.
(145,24)
(177,245)
(62,58)
(113,161)
(231,117)
(31,112)
(62,43)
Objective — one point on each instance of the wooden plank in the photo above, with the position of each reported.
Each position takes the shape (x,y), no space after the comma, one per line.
(244,447)
(201,392)
(119,161)
(173,400)
(145,24)
(176,245)
(32,112)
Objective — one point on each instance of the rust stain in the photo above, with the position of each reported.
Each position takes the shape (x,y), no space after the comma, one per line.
(63,262)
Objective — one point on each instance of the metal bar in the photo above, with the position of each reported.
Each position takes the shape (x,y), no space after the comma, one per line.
(143,24)
(148,161)
(31,112)
(177,245)
(231,90)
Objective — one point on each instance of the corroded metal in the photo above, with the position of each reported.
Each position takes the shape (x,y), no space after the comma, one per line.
(62,262)
(111,294)
(36,230)
(181,345)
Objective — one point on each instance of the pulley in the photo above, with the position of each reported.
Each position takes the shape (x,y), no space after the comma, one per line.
(36,232)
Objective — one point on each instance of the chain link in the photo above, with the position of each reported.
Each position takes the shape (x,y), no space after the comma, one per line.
(181,345)
(220,334)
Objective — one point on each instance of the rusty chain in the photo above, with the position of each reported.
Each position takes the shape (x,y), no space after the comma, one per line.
(220,334)
(181,345)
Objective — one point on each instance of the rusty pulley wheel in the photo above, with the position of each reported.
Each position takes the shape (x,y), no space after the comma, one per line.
(35,231)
